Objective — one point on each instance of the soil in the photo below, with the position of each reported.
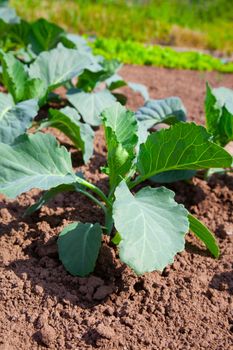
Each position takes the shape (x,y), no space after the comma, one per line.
(188,306)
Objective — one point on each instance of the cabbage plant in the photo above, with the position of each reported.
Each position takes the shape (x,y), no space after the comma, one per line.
(147,224)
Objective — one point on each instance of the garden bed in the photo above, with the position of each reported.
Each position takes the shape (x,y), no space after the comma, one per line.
(188,306)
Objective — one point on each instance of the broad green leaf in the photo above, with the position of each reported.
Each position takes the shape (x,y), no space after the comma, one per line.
(15,119)
(47,196)
(111,66)
(57,66)
(169,111)
(152,227)
(17,81)
(224,97)
(121,137)
(120,98)
(78,247)
(34,161)
(143,133)
(88,80)
(184,146)
(204,234)
(115,82)
(142,89)
(67,120)
(75,41)
(91,105)
(19,33)
(123,123)
(173,176)
(50,194)
(5,43)
(36,88)
(44,35)
(219,114)
(14,75)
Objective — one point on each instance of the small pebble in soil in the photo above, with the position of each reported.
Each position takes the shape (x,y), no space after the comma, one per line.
(42,319)
(105,331)
(5,215)
(48,335)
(39,290)
(109,311)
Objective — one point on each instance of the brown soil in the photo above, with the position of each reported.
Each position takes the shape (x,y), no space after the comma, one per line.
(188,306)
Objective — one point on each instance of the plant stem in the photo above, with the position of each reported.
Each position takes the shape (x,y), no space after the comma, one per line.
(108,221)
(96,190)
(107,209)
(89,195)
(135,182)
(111,193)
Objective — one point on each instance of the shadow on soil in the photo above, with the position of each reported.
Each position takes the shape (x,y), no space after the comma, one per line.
(223,281)
(194,249)
(221,180)
(43,269)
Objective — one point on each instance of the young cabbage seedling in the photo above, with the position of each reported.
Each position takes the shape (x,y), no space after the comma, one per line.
(149,225)
(219,123)
(219,114)
(219,119)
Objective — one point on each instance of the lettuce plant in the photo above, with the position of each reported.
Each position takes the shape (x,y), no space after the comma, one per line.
(147,224)
(133,52)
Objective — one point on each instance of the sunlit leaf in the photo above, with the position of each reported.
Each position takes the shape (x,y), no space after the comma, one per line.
(78,247)
(15,119)
(121,137)
(57,66)
(34,161)
(219,114)
(44,35)
(184,146)
(67,120)
(152,227)
(91,105)
(169,111)
(204,234)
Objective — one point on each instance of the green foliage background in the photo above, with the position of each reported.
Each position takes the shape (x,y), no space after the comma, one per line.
(204,24)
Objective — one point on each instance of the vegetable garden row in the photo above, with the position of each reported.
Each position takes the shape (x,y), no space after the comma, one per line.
(147,224)
(132,52)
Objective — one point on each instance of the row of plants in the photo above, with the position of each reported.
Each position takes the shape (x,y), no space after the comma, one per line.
(146,224)
(132,52)
(32,38)
(205,24)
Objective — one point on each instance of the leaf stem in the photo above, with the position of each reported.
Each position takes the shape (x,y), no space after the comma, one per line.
(111,193)
(89,195)
(96,190)
(135,182)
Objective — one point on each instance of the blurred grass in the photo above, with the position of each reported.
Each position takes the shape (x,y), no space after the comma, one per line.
(206,24)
